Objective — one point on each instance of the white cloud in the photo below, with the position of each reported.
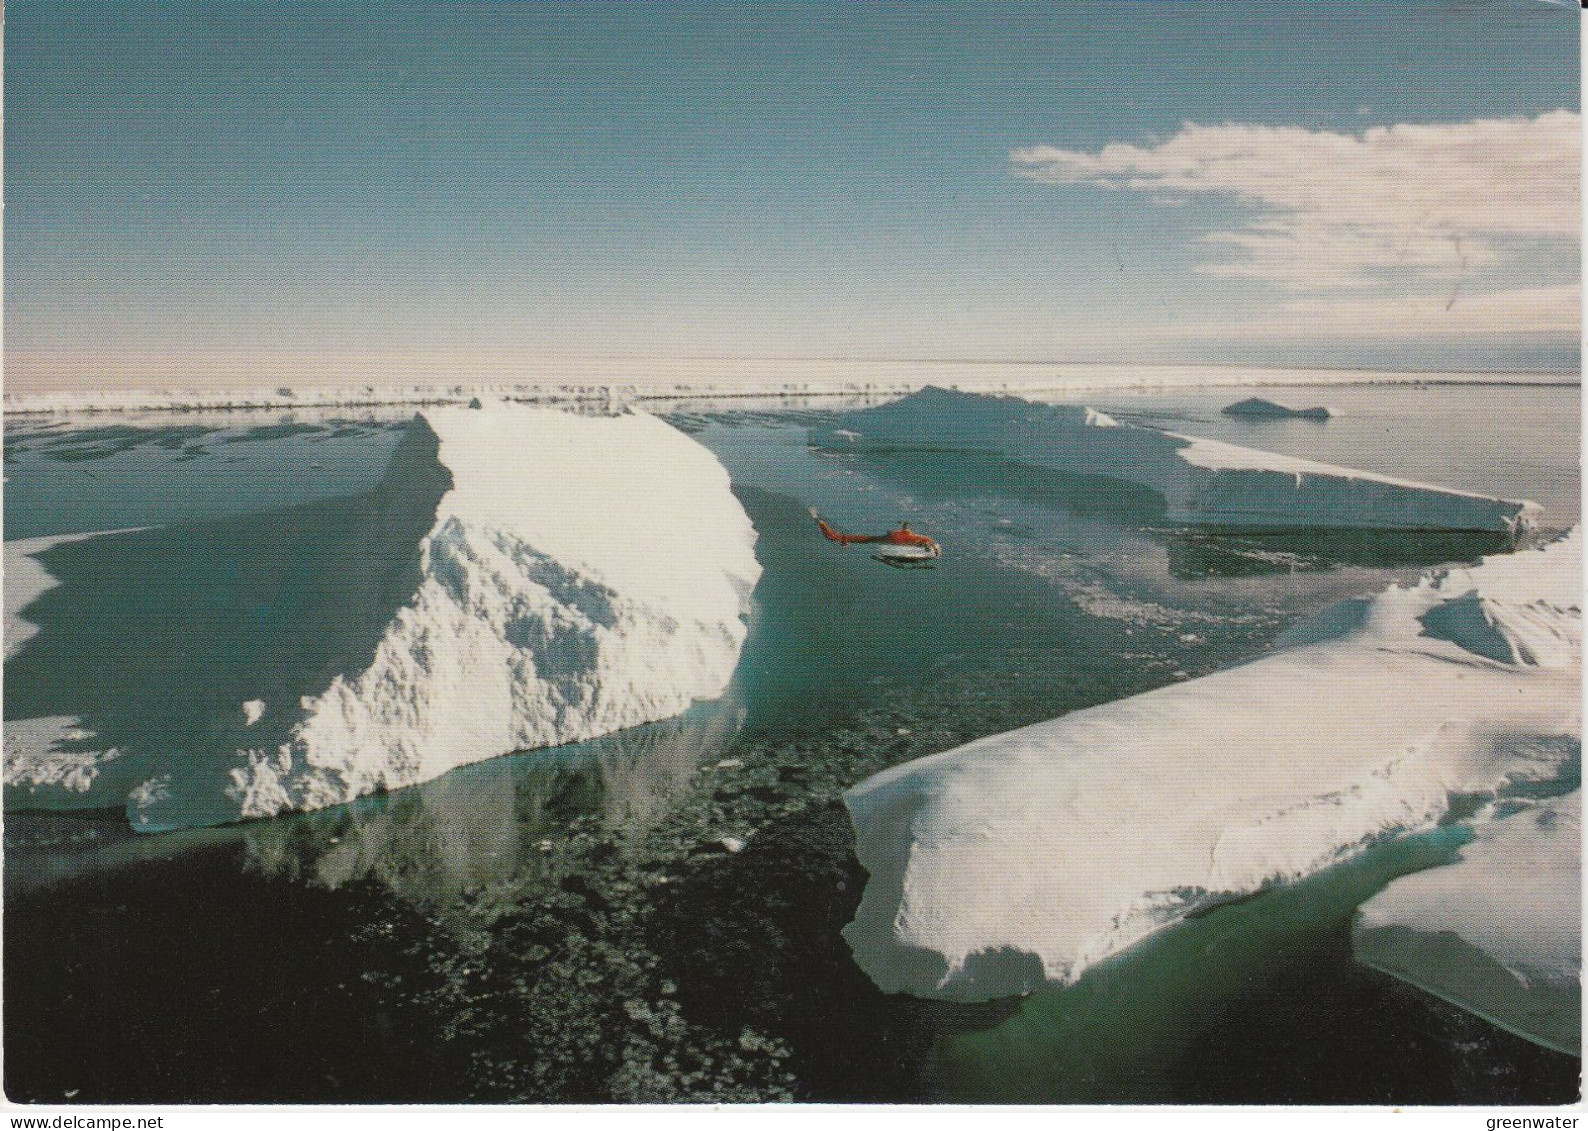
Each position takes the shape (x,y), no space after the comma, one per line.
(1395,205)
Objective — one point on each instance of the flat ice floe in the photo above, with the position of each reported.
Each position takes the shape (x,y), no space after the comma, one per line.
(51,752)
(1499,931)
(26,580)
(580,575)
(1203,482)
(1028,857)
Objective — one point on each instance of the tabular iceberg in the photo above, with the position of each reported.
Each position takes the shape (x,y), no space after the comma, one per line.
(582,574)
(1202,482)
(1030,856)
(1498,932)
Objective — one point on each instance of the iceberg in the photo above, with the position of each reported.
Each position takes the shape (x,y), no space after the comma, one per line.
(1028,857)
(1260,408)
(1202,482)
(585,574)
(1499,931)
(581,574)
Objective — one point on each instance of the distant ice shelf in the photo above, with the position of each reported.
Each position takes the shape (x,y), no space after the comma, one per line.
(1202,482)
(581,574)
(1499,931)
(1028,857)
(624,381)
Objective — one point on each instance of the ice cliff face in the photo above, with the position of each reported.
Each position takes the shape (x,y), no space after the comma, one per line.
(581,575)
(1030,856)
(1202,482)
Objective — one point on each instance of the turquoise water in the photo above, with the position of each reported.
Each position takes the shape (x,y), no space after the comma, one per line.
(1048,598)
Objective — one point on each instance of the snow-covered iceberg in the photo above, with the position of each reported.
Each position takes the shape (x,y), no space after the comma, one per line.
(1030,856)
(1499,931)
(1202,482)
(581,574)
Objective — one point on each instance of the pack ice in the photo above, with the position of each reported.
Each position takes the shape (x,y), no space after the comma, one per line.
(582,574)
(1201,481)
(1030,856)
(1499,931)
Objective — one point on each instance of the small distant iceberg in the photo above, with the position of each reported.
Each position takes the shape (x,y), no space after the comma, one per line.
(1499,931)
(1027,858)
(521,578)
(1260,409)
(1202,482)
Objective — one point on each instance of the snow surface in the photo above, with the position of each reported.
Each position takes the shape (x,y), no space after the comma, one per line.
(1202,481)
(583,574)
(1499,931)
(1030,856)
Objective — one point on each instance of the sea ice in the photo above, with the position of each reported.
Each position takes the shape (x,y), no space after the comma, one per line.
(1030,856)
(1202,482)
(1499,931)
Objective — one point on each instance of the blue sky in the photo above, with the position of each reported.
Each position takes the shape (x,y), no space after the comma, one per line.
(489,189)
